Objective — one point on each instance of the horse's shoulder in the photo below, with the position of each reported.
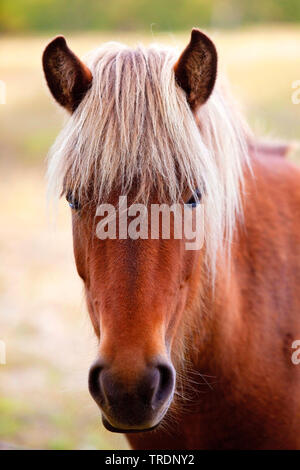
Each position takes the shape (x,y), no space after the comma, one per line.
(269,148)
(276,173)
(272,193)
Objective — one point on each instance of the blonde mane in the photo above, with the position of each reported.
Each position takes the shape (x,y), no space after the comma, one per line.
(134,127)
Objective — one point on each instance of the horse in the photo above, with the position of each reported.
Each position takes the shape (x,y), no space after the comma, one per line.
(194,346)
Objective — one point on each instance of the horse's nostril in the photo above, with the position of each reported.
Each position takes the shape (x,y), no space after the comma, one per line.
(166,384)
(132,405)
(94,382)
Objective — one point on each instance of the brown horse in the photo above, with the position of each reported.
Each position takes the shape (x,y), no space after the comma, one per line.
(195,346)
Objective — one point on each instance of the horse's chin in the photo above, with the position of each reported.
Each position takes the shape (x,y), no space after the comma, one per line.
(131,429)
(111,428)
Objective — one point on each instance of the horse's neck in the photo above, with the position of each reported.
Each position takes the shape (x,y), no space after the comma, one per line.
(219,321)
(217,317)
(252,294)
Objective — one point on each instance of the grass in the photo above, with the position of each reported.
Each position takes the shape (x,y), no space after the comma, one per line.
(44,402)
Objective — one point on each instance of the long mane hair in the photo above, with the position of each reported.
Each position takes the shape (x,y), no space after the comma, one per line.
(134,125)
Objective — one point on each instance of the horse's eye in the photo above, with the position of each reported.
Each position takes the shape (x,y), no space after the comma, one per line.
(195,199)
(73,203)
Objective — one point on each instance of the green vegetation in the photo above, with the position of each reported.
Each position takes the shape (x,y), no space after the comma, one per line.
(131,15)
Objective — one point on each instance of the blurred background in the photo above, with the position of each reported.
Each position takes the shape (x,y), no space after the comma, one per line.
(44,401)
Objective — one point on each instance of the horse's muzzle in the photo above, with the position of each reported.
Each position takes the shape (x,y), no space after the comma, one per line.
(133,407)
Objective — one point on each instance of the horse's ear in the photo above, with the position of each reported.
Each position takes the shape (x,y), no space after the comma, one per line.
(196,69)
(67,77)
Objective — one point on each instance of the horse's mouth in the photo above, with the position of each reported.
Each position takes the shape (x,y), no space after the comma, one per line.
(111,428)
(132,429)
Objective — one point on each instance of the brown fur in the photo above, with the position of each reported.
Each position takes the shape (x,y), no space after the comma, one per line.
(196,69)
(280,149)
(253,320)
(68,78)
(153,298)
(246,327)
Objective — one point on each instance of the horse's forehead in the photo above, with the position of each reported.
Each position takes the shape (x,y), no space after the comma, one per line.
(134,196)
